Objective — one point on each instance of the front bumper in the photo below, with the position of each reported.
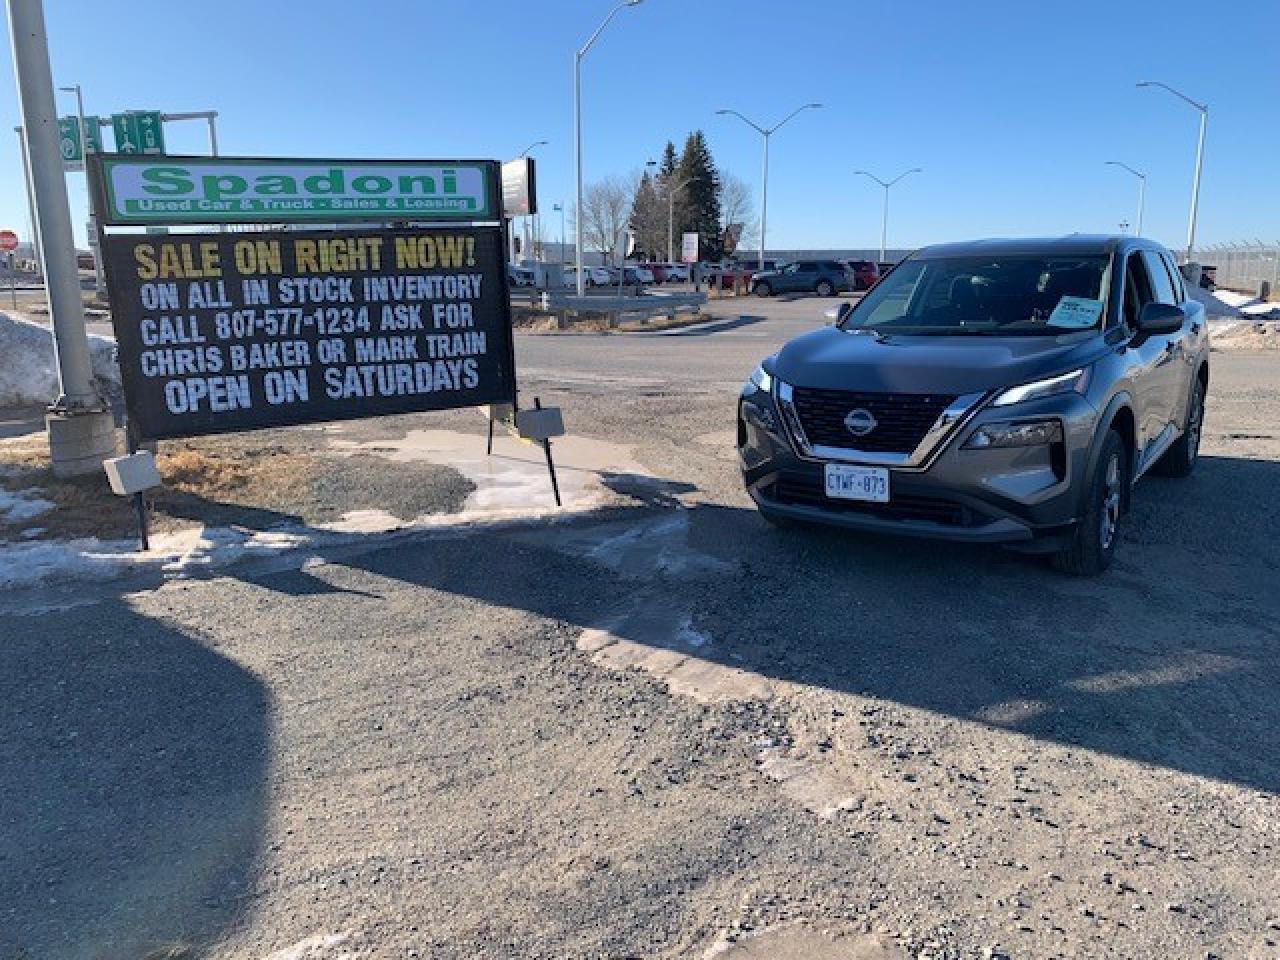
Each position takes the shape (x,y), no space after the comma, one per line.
(1020,495)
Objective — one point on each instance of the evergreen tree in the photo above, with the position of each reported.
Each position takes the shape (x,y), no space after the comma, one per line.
(649,218)
(699,207)
(667,169)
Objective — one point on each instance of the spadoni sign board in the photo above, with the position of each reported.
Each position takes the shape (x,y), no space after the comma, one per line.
(236,331)
(136,190)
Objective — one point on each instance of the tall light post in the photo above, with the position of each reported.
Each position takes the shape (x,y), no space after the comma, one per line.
(559,208)
(577,135)
(511,223)
(79,424)
(766,133)
(671,207)
(884,217)
(99,277)
(1142,190)
(1195,184)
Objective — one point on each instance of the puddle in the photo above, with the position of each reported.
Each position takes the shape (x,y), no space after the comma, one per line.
(799,943)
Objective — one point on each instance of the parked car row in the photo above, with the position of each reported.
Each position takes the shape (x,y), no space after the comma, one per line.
(634,274)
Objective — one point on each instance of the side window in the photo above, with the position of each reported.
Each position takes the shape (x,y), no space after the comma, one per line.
(1161,284)
(1175,275)
(1137,289)
(808,268)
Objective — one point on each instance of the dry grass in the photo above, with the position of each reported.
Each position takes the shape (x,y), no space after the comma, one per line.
(214,480)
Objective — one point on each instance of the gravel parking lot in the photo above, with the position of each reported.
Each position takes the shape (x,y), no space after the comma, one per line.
(662,728)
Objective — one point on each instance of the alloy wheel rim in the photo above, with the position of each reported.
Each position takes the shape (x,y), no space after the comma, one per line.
(1111,495)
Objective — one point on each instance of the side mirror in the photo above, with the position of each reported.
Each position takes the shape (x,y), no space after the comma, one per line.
(1160,318)
(838,313)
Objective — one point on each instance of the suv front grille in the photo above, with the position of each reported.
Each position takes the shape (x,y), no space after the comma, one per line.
(804,491)
(902,419)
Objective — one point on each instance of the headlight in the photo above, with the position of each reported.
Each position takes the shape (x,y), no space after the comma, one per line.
(1033,433)
(760,377)
(1075,381)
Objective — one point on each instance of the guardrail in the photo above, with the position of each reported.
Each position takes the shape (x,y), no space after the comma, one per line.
(566,303)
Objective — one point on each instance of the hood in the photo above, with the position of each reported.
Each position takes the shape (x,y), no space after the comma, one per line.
(836,360)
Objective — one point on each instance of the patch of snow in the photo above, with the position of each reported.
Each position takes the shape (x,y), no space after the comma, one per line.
(28,369)
(18,506)
(690,637)
(318,947)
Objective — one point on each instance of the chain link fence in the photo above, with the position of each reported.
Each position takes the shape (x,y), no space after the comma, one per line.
(1252,268)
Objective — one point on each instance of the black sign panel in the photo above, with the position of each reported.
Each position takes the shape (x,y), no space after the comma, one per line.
(238,331)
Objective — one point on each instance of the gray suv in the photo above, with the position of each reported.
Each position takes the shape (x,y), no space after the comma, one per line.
(1000,391)
(826,278)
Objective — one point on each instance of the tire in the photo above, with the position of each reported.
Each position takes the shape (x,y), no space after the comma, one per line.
(1093,542)
(762,289)
(778,521)
(824,289)
(1180,459)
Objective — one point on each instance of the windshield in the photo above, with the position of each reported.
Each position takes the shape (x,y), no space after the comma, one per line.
(986,295)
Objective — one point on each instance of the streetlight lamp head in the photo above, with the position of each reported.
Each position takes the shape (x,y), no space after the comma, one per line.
(721,113)
(633,3)
(815,106)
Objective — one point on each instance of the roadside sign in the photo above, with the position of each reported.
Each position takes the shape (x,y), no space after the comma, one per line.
(519,192)
(138,131)
(8,241)
(689,248)
(220,332)
(194,190)
(69,140)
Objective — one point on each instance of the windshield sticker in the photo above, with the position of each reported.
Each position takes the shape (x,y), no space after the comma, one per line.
(1076,313)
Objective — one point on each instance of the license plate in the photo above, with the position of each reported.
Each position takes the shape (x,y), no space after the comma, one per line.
(846,482)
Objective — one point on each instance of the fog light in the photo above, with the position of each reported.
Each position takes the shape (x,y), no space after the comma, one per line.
(1031,434)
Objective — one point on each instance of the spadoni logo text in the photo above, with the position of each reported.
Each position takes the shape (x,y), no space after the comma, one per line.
(214,191)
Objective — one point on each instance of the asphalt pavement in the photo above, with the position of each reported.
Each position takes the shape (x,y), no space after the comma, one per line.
(662,728)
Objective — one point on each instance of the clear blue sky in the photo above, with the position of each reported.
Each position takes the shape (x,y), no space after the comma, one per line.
(1011,107)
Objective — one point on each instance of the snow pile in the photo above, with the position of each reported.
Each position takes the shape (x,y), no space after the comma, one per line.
(20,506)
(1228,305)
(28,369)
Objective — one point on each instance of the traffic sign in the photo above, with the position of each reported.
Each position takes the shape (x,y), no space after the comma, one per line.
(8,241)
(69,140)
(138,131)
(689,248)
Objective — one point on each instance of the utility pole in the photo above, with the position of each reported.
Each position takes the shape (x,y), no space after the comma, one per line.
(80,427)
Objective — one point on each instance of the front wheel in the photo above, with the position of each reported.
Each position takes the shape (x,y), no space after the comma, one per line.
(1093,543)
(762,289)
(825,288)
(1181,458)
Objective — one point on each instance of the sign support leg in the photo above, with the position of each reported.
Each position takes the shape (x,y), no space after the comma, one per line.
(139,498)
(551,466)
(488,450)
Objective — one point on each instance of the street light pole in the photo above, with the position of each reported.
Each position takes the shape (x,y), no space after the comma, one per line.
(1195,183)
(1142,190)
(80,427)
(577,136)
(884,216)
(99,277)
(766,133)
(511,227)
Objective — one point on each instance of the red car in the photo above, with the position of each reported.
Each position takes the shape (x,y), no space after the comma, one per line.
(659,272)
(865,273)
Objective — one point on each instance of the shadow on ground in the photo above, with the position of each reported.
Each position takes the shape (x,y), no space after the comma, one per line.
(134,760)
(1169,659)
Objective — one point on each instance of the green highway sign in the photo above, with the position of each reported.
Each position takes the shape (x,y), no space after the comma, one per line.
(138,131)
(174,190)
(69,140)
